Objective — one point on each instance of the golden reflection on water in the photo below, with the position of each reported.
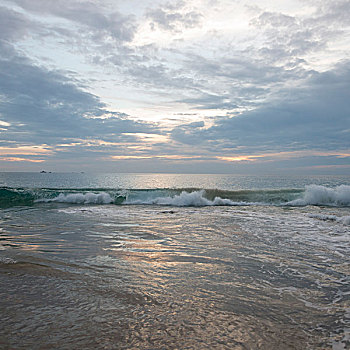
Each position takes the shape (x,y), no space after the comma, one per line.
(150,279)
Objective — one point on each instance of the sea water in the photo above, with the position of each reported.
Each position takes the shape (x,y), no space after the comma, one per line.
(169,261)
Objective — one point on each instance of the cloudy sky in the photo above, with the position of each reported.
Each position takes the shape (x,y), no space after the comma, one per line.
(206,86)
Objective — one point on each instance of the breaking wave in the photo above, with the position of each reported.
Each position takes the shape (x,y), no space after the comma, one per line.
(80,198)
(321,195)
(185,199)
(311,195)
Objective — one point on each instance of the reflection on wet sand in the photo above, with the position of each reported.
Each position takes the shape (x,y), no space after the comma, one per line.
(197,278)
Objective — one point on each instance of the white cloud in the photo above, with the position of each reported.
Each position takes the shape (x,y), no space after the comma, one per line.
(239,76)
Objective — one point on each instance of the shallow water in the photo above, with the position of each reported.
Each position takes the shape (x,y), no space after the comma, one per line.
(174,277)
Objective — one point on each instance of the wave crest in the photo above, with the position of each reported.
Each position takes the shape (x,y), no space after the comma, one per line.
(311,195)
(321,195)
(186,199)
(80,198)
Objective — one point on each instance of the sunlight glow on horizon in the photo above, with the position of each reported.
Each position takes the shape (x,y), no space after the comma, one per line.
(222,84)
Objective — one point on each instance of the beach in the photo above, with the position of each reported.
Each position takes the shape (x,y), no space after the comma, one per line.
(145,261)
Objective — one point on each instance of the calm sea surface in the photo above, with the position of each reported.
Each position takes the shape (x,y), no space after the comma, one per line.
(163,261)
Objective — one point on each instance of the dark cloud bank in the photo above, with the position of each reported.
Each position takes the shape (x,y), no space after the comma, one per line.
(315,116)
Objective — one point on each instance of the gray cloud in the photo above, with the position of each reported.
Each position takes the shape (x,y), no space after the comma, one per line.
(287,37)
(334,12)
(45,107)
(172,17)
(208,101)
(244,78)
(13,25)
(312,117)
(87,14)
(264,86)
(99,35)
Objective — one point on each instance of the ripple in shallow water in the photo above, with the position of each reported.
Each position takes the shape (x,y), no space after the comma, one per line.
(221,278)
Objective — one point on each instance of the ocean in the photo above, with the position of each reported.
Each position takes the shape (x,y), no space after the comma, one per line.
(171,261)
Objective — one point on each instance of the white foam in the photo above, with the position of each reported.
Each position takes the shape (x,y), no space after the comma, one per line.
(321,195)
(4,260)
(345,220)
(80,198)
(196,199)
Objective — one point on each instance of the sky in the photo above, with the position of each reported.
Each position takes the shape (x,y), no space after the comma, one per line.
(196,86)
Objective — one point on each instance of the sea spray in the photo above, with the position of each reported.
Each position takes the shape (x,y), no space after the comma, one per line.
(185,199)
(321,195)
(80,198)
(311,195)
